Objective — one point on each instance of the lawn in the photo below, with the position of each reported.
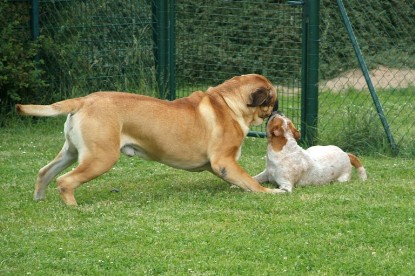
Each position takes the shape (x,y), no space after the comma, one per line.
(145,218)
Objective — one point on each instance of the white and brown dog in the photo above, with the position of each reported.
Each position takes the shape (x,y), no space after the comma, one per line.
(289,165)
(204,131)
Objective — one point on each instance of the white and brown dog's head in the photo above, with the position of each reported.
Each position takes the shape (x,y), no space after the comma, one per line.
(252,96)
(279,130)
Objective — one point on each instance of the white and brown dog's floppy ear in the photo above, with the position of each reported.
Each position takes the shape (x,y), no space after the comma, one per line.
(294,131)
(261,97)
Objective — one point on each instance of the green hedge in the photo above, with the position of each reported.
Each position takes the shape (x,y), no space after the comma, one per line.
(106,45)
(216,39)
(20,76)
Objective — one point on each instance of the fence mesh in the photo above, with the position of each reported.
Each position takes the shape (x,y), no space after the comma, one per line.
(108,45)
(384,31)
(220,39)
(97,45)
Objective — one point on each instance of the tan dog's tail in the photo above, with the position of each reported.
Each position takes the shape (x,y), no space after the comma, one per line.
(59,108)
(358,165)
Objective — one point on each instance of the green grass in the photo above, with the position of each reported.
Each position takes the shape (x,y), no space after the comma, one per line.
(171,222)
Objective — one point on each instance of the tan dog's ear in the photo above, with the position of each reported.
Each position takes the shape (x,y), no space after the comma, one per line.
(294,131)
(261,97)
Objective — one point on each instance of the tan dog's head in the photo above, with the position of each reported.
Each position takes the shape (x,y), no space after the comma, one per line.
(250,96)
(282,128)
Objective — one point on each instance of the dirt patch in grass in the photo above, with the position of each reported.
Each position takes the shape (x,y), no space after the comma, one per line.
(382,78)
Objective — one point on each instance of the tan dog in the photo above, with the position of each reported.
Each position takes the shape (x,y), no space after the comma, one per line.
(204,131)
(288,164)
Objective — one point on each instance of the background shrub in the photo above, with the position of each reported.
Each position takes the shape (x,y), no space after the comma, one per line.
(108,45)
(21,78)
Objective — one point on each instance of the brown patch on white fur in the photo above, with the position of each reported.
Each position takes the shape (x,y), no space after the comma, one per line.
(358,166)
(277,128)
(294,131)
(276,134)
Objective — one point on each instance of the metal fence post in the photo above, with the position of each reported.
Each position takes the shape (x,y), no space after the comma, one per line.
(164,50)
(365,71)
(34,19)
(158,13)
(171,49)
(311,37)
(34,23)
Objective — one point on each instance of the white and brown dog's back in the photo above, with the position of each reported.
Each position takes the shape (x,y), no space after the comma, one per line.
(289,165)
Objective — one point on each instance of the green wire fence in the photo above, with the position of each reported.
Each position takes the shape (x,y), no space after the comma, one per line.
(307,49)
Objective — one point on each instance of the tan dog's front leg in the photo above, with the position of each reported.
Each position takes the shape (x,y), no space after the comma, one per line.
(230,171)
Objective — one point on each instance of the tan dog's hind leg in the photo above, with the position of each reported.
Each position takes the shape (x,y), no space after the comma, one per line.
(64,159)
(90,167)
(229,170)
